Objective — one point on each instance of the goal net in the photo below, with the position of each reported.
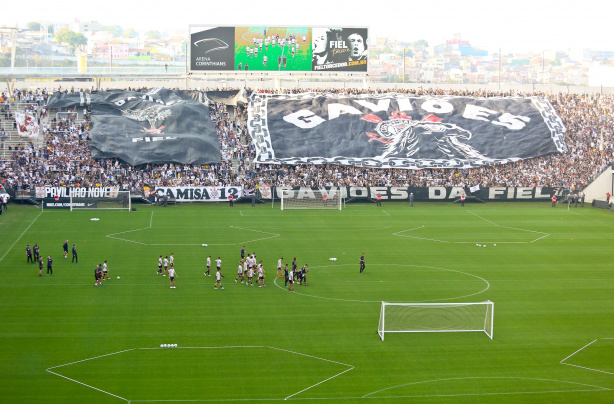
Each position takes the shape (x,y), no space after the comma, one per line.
(436,317)
(311,199)
(106,200)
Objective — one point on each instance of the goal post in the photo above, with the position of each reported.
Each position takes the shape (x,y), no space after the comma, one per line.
(436,317)
(311,199)
(118,200)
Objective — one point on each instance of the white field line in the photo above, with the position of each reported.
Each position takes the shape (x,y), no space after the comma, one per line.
(151,220)
(87,385)
(272,235)
(595,220)
(419,238)
(473,242)
(83,384)
(387,214)
(583,367)
(332,377)
(208,347)
(590,343)
(95,357)
(486,378)
(379,301)
(211,347)
(492,394)
(511,228)
(19,238)
(380,398)
(350,367)
(309,356)
(403,231)
(492,242)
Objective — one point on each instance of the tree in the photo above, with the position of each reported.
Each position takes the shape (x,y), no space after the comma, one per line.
(130,33)
(70,38)
(115,29)
(153,35)
(34,26)
(421,44)
(37,61)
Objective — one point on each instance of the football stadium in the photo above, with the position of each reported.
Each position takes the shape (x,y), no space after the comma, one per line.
(312,243)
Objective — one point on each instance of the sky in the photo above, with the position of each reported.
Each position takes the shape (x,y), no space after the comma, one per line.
(512,25)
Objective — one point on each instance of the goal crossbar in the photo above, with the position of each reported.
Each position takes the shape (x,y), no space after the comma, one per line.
(106,200)
(311,199)
(436,317)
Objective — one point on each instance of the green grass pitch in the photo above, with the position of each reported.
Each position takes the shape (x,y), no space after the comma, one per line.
(301,61)
(550,275)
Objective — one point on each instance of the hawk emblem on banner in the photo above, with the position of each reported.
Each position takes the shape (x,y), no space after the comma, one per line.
(152,115)
(403,136)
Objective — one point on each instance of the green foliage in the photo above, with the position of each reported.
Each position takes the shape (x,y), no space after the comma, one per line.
(130,33)
(70,38)
(154,35)
(5,60)
(421,44)
(115,29)
(34,26)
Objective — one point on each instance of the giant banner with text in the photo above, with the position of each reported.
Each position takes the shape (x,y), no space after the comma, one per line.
(402,131)
(152,126)
(423,194)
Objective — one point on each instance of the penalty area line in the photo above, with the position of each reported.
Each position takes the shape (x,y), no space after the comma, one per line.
(323,381)
(87,385)
(19,238)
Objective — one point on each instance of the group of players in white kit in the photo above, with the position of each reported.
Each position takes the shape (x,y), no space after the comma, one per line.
(247,268)
(262,45)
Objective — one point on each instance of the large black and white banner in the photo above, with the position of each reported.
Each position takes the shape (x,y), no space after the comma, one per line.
(153,126)
(76,192)
(198,194)
(401,131)
(418,194)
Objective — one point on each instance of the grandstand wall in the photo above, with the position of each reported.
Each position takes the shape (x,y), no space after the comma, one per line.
(303,82)
(604,183)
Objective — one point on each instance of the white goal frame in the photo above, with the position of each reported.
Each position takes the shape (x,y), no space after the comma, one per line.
(317,202)
(485,326)
(110,197)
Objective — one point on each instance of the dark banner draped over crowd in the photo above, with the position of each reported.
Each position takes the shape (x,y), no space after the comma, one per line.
(153,126)
(401,131)
(228,97)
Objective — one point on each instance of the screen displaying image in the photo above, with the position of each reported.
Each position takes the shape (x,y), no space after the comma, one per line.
(272,49)
(339,49)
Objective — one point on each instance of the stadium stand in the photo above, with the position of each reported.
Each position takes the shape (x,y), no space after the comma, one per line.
(63,158)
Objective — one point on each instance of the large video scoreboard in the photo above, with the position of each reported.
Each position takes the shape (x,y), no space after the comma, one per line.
(291,49)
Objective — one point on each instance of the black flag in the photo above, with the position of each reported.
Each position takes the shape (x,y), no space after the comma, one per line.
(397,130)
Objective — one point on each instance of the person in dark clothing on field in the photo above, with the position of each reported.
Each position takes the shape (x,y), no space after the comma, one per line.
(286,274)
(74,254)
(49,265)
(29,255)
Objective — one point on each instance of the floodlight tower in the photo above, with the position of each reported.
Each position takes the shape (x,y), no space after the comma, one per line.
(13,32)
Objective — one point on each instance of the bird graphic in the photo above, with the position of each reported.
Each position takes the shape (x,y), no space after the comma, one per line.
(152,115)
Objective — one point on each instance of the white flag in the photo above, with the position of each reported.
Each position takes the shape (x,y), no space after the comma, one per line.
(474,188)
(27,126)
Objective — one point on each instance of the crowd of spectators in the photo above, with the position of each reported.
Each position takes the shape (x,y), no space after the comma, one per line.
(65,160)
